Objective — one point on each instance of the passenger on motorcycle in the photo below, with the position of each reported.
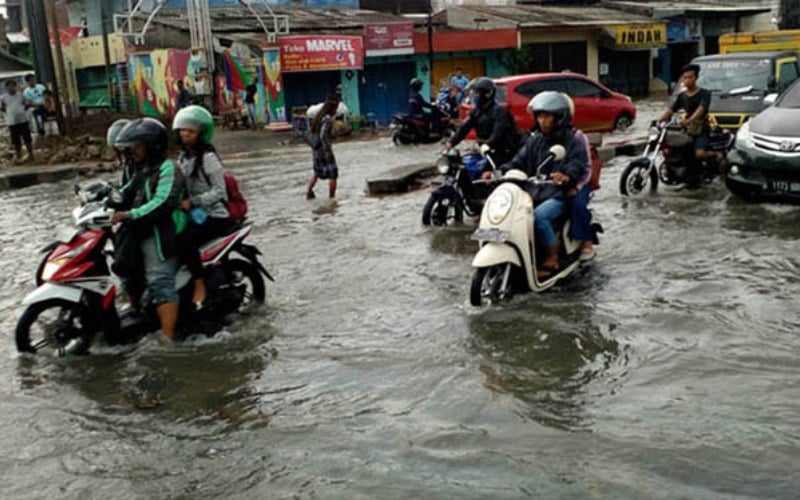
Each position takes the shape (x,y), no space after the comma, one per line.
(417,104)
(695,101)
(493,124)
(150,208)
(205,189)
(580,228)
(551,111)
(123,157)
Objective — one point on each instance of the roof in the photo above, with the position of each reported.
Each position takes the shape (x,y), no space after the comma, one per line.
(762,54)
(233,20)
(546,16)
(10,63)
(662,9)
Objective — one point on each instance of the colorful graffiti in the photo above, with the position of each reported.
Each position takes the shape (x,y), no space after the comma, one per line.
(154,76)
(273,85)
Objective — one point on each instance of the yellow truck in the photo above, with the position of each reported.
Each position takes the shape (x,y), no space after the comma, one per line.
(759,41)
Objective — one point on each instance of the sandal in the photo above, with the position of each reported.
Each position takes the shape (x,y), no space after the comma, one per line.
(546,272)
(587,254)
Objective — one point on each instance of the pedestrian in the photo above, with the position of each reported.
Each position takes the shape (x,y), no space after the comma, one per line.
(184,96)
(459,80)
(34,92)
(50,115)
(14,105)
(319,137)
(250,100)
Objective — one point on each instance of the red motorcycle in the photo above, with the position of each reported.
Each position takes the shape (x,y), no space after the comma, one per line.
(76,294)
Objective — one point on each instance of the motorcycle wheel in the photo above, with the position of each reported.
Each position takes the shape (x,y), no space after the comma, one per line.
(399,139)
(437,211)
(51,325)
(486,283)
(243,271)
(636,181)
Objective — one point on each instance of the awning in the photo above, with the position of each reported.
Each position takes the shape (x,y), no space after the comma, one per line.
(637,36)
(467,40)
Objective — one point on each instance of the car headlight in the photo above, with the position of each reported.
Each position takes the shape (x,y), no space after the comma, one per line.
(499,205)
(744,140)
(734,170)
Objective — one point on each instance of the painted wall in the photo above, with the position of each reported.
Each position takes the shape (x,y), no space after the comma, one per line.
(274,95)
(153,76)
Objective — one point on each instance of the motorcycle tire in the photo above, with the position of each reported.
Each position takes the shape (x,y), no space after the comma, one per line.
(400,139)
(256,290)
(628,185)
(437,214)
(34,311)
(494,274)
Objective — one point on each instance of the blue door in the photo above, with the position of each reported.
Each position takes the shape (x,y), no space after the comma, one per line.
(384,89)
(306,89)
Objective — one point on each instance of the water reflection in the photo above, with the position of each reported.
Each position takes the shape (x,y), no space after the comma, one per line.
(545,357)
(455,240)
(779,221)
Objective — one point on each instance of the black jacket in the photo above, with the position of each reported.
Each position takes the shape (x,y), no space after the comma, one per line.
(494,126)
(535,150)
(417,104)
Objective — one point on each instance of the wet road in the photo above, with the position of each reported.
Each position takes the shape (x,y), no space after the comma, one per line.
(670,370)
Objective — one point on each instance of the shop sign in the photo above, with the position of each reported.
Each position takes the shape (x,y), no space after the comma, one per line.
(389,39)
(321,53)
(640,36)
(689,30)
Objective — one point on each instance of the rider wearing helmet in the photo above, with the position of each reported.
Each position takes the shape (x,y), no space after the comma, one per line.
(123,160)
(493,124)
(150,210)
(207,194)
(553,125)
(417,104)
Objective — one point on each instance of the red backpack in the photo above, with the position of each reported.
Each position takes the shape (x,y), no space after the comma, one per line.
(236,204)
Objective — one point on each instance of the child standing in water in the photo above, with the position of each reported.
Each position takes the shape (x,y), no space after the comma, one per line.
(319,137)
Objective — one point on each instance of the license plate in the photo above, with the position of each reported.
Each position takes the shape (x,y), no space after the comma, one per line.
(782,186)
(489,234)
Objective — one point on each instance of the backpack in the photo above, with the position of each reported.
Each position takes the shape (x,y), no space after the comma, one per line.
(236,204)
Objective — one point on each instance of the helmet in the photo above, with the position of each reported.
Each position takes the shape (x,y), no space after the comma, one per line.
(557,104)
(147,131)
(195,118)
(114,130)
(416,84)
(483,88)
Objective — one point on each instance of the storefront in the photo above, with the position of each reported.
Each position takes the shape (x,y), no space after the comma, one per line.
(625,55)
(390,65)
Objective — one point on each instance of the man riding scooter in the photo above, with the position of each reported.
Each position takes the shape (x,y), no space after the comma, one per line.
(417,105)
(150,207)
(552,114)
(493,124)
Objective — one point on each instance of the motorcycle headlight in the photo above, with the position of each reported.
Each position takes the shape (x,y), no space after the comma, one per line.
(744,140)
(499,205)
(443,166)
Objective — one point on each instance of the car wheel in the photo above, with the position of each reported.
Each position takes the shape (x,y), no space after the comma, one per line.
(623,122)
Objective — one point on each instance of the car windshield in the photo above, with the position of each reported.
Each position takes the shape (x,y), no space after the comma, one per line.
(725,75)
(791,99)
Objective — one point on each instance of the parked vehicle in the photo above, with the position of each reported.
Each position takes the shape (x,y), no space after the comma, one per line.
(762,73)
(507,259)
(457,193)
(752,41)
(669,157)
(408,129)
(597,109)
(765,164)
(75,297)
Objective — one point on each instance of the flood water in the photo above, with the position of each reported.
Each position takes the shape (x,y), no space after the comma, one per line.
(668,370)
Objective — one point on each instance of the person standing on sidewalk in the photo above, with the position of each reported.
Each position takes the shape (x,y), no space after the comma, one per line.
(34,92)
(13,104)
(250,100)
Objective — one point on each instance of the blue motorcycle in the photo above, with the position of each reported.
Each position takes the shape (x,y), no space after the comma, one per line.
(459,192)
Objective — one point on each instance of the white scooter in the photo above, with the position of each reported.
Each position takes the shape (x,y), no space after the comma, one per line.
(508,256)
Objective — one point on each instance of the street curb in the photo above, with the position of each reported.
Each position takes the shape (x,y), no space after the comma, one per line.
(403,179)
(20,177)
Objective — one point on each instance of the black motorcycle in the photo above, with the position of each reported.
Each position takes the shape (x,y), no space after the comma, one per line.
(669,157)
(410,129)
(460,191)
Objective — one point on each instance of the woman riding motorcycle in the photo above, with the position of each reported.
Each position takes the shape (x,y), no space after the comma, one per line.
(493,124)
(149,207)
(206,190)
(552,114)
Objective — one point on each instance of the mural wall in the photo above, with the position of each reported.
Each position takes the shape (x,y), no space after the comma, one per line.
(273,85)
(154,75)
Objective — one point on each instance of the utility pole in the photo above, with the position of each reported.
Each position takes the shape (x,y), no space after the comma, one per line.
(50,10)
(106,56)
(430,43)
(43,56)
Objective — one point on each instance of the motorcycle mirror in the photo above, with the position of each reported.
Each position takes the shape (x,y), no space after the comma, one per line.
(558,152)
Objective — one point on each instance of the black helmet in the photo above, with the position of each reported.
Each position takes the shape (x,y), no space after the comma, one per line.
(114,130)
(483,88)
(147,131)
(416,84)
(555,103)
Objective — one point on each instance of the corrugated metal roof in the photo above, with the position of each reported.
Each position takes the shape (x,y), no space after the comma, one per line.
(677,8)
(530,16)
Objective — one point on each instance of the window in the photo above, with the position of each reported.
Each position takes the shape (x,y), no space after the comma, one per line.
(530,89)
(790,99)
(786,75)
(582,88)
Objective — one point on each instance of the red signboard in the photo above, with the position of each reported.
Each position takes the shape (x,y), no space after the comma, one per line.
(389,39)
(321,53)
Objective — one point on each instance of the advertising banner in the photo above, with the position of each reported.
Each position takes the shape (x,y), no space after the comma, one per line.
(389,39)
(321,53)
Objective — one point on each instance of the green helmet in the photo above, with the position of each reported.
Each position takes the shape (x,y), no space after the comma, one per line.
(114,130)
(195,118)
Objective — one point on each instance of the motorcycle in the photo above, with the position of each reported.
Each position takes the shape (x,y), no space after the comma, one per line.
(669,157)
(409,129)
(76,294)
(507,260)
(457,193)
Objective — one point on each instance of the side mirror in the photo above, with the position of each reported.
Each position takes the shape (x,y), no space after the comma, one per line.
(770,99)
(558,152)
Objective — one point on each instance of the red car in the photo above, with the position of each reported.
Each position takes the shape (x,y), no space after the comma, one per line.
(597,109)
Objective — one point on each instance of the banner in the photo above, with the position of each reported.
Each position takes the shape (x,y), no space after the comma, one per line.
(639,36)
(389,39)
(321,53)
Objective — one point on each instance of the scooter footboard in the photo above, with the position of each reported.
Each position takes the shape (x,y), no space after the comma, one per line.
(492,254)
